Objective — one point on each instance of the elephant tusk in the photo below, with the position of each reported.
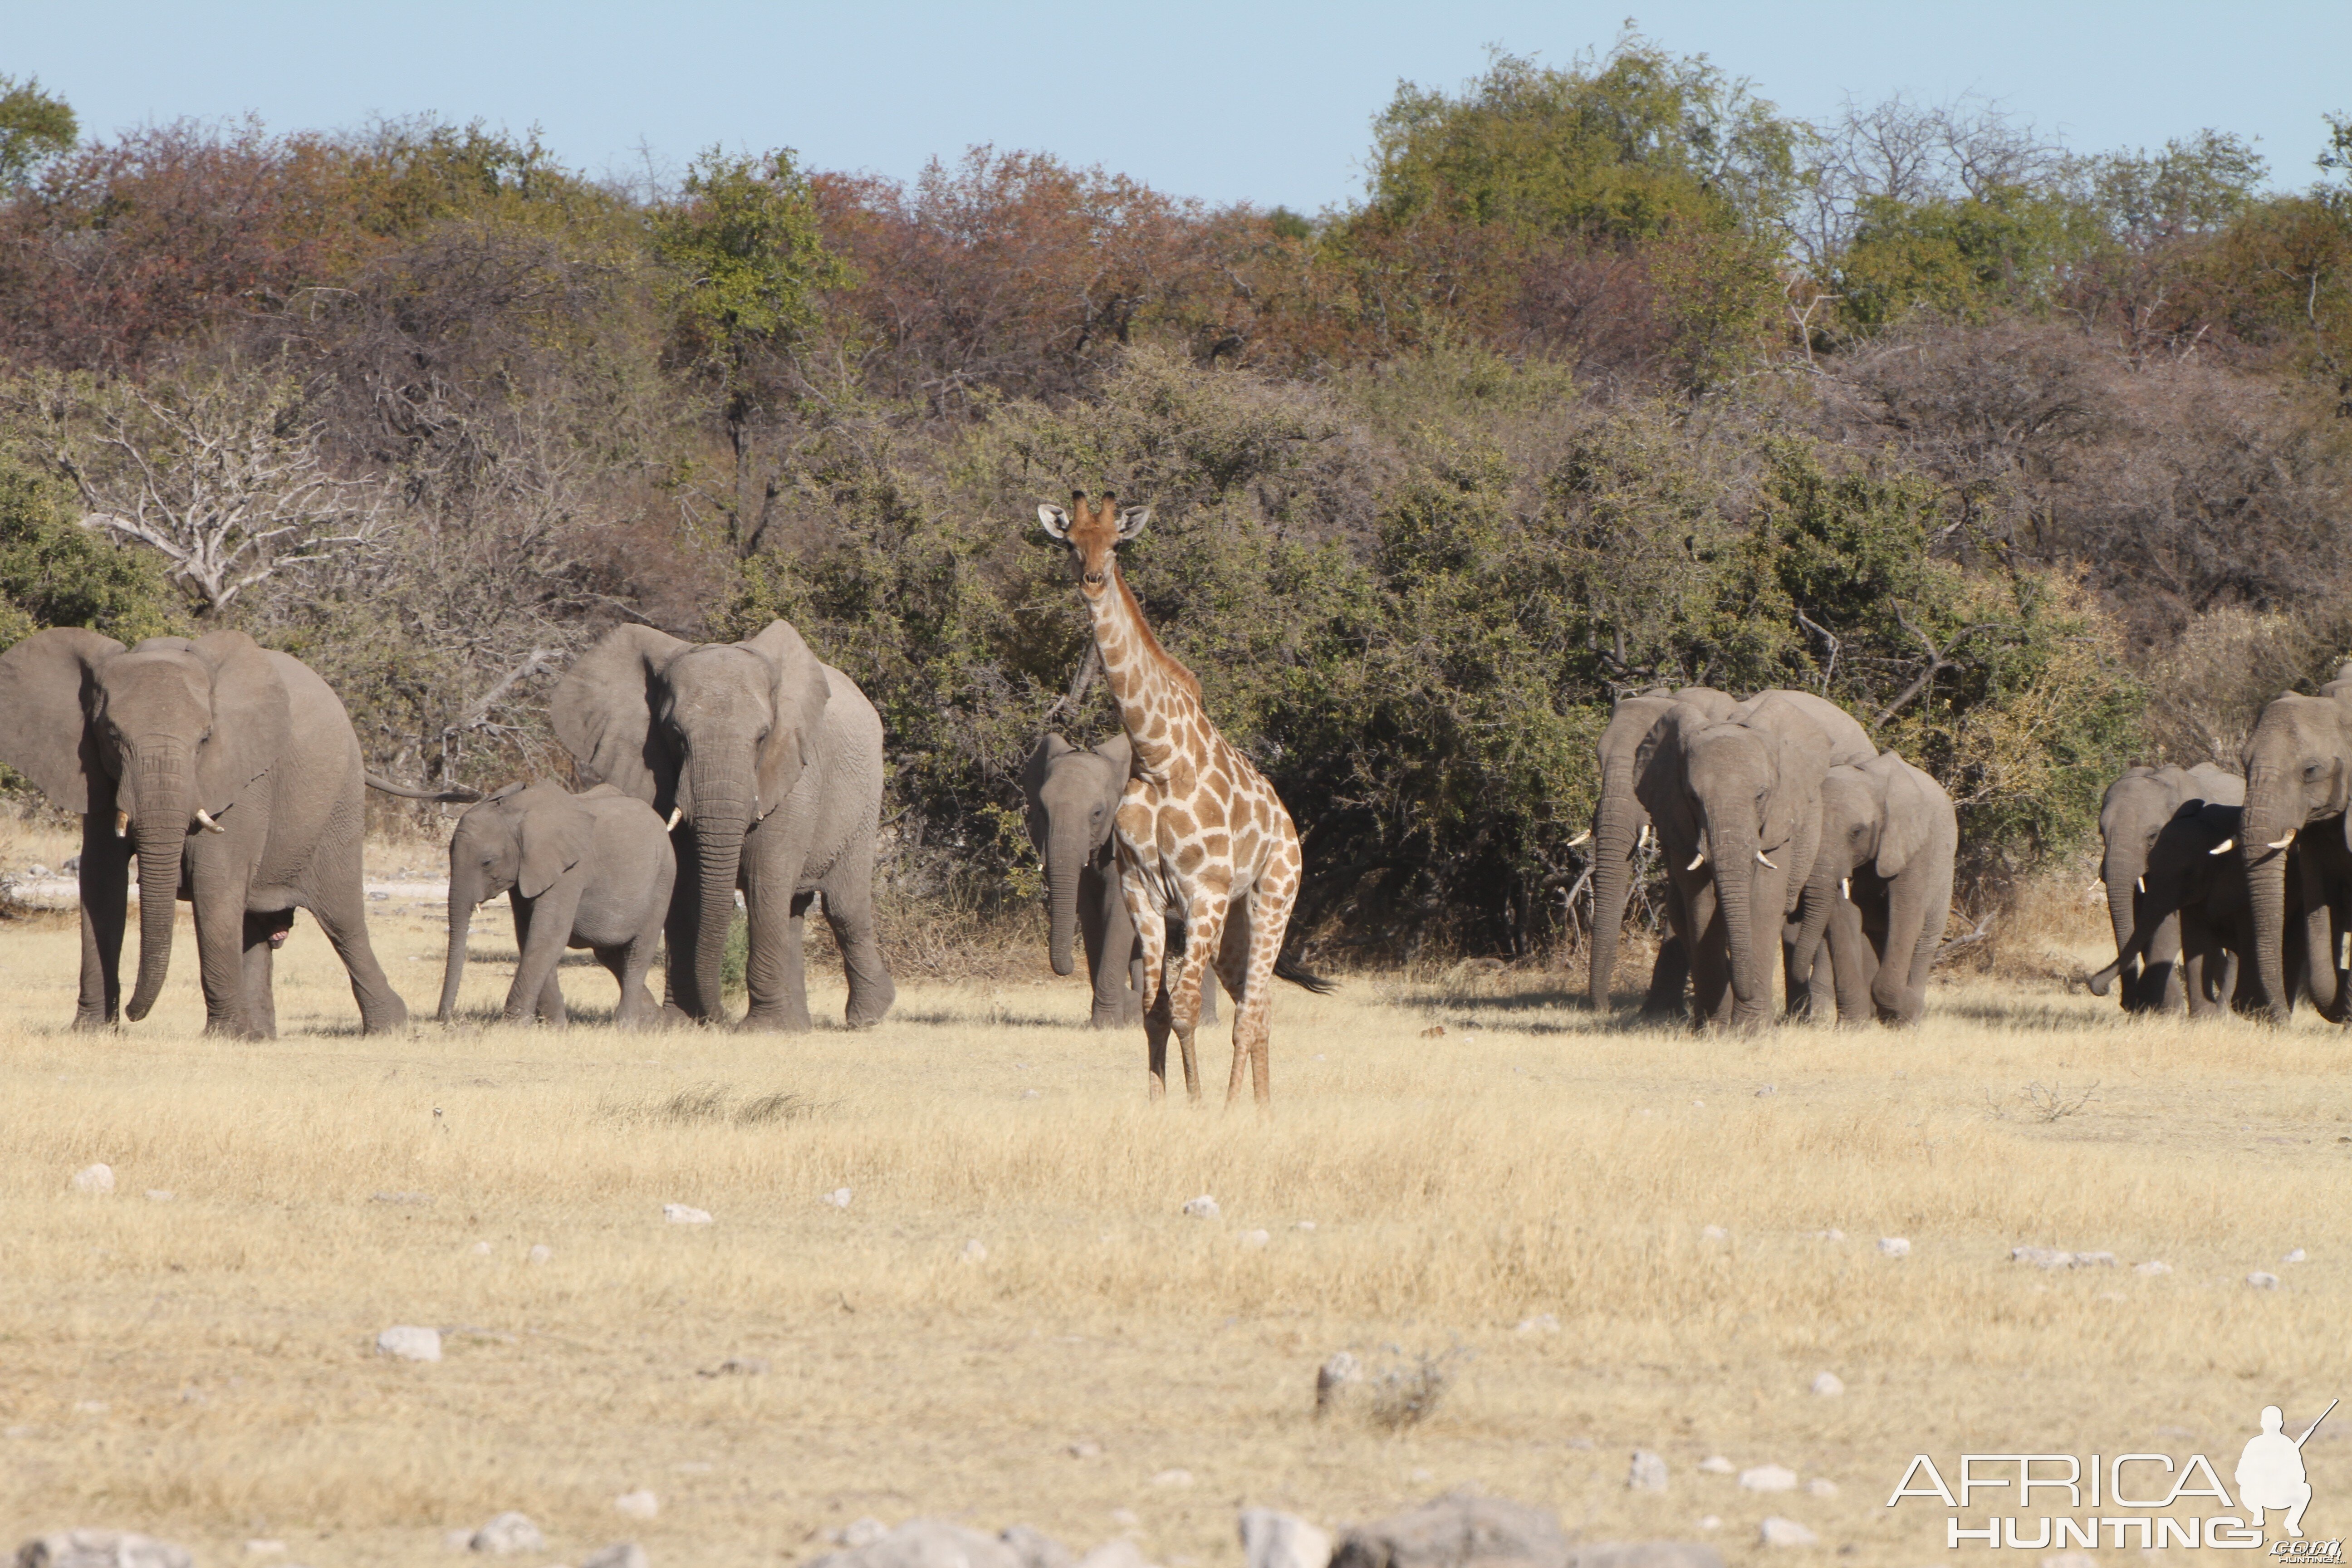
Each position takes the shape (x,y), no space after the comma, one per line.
(205,818)
(1762,859)
(2223,848)
(1647,835)
(2282,843)
(1580,839)
(1696,861)
(121,824)
(2139,885)
(674,813)
(1845,887)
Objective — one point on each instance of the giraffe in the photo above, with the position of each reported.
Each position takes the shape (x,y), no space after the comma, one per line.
(1199,831)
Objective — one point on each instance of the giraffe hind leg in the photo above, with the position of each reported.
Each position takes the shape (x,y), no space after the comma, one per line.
(1204,925)
(1231,964)
(1268,913)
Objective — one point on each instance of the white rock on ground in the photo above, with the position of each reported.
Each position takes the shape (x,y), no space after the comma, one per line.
(1304,1225)
(1121,1552)
(1828,1385)
(160,1195)
(542,1253)
(1202,1207)
(2262,1281)
(1541,1324)
(838,1198)
(638,1504)
(2055,1257)
(1895,1246)
(1832,1233)
(1715,1465)
(1173,1478)
(2297,1255)
(1711,1521)
(101,1548)
(1716,1233)
(619,1555)
(973,1252)
(510,1532)
(1648,1473)
(1777,1531)
(1035,1548)
(859,1533)
(481,1249)
(684,1213)
(2152,1267)
(407,1341)
(94,1179)
(1254,1238)
(1272,1539)
(1769,1478)
(1334,1378)
(1822,1486)
(265,1548)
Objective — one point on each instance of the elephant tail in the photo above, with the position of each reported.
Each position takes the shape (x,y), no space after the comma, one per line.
(1288,968)
(405,793)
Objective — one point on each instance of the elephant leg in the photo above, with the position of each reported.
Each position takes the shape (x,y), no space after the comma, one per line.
(543,925)
(1151,941)
(1710,955)
(105,878)
(1821,986)
(1110,942)
(551,1011)
(339,906)
(681,996)
(1853,964)
(775,964)
(630,962)
(264,934)
(1669,978)
(848,891)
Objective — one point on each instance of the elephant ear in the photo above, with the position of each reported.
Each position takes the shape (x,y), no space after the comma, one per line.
(603,713)
(555,834)
(1040,763)
(1799,762)
(801,691)
(1120,753)
(252,719)
(1909,819)
(45,685)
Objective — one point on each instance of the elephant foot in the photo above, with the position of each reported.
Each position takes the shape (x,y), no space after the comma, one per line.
(385,1017)
(88,1021)
(867,1004)
(236,1029)
(775,1021)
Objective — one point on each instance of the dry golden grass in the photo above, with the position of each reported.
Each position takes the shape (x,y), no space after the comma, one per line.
(202,1368)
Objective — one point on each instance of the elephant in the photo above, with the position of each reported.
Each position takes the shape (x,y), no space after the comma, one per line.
(1620,824)
(2132,814)
(1881,892)
(767,766)
(592,870)
(2298,767)
(2193,924)
(1728,796)
(233,774)
(1072,797)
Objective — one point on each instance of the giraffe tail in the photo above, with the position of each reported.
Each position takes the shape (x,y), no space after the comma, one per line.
(1288,968)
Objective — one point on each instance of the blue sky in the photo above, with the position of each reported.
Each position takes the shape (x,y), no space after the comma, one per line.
(1268,103)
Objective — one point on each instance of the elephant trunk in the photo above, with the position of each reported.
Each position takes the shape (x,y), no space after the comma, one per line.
(2122,879)
(160,816)
(1734,857)
(463,901)
(1617,824)
(722,814)
(1066,853)
(1820,896)
(2262,823)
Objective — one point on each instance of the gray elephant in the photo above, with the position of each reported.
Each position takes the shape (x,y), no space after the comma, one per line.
(1072,797)
(2298,765)
(1619,823)
(1727,798)
(234,772)
(591,870)
(2193,928)
(767,766)
(1881,892)
(2132,814)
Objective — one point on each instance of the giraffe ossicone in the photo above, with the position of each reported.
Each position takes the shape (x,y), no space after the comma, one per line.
(1200,832)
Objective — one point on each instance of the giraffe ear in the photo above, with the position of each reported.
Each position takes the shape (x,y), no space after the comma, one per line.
(1055,520)
(1132,521)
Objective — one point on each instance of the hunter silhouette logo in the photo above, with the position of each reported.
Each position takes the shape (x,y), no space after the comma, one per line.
(2270,1472)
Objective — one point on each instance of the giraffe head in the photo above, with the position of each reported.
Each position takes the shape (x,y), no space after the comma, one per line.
(1092,534)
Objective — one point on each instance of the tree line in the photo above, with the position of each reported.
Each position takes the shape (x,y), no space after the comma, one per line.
(1616,376)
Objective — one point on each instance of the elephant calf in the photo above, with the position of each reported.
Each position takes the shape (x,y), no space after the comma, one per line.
(1072,797)
(591,870)
(1881,892)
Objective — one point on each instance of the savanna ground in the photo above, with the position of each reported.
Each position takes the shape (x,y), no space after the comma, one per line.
(202,1368)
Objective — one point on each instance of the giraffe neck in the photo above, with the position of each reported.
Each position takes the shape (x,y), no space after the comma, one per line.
(1143,677)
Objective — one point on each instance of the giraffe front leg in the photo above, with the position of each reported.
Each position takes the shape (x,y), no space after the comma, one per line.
(1151,942)
(1204,933)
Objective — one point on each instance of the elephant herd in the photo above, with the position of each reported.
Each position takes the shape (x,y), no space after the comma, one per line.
(230,773)
(2234,890)
(1777,820)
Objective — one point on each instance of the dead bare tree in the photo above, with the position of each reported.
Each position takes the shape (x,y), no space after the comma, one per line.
(221,474)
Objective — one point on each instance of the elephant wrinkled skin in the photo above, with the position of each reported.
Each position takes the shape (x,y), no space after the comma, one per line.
(234,774)
(2193,922)
(770,764)
(2298,782)
(1619,821)
(1072,797)
(592,870)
